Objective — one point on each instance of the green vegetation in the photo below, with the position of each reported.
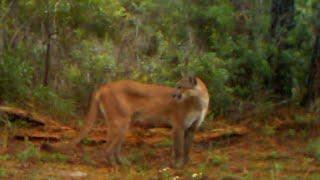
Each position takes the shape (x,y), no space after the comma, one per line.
(29,153)
(53,157)
(217,160)
(54,53)
(4,157)
(166,142)
(269,130)
(314,148)
(164,173)
(2,173)
(274,172)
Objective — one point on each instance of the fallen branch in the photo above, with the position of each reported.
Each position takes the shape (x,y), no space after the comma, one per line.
(51,130)
(150,136)
(283,125)
(28,116)
(216,134)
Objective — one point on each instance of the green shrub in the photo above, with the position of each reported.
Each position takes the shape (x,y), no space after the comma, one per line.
(29,153)
(15,78)
(53,157)
(269,130)
(275,171)
(214,73)
(50,102)
(4,157)
(217,160)
(314,148)
(227,43)
(3,173)
(164,143)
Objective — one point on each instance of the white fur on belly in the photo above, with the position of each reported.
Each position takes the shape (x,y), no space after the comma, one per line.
(102,110)
(205,104)
(191,118)
(198,116)
(202,116)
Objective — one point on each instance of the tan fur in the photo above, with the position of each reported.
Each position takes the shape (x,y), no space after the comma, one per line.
(184,108)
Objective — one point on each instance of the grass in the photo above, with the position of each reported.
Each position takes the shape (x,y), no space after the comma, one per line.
(53,157)
(30,152)
(307,118)
(269,130)
(137,158)
(4,157)
(275,171)
(166,142)
(217,160)
(20,123)
(87,159)
(314,176)
(3,173)
(135,155)
(86,141)
(313,148)
(164,173)
(275,155)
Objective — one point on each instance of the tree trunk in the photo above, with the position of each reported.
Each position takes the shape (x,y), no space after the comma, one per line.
(47,63)
(48,54)
(282,21)
(4,42)
(313,86)
(282,16)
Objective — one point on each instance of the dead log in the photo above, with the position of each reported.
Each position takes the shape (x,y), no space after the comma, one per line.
(33,117)
(28,116)
(217,134)
(38,136)
(51,130)
(150,136)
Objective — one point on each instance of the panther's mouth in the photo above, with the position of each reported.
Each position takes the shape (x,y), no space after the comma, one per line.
(177,95)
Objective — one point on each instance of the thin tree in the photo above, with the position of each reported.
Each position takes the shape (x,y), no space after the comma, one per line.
(48,49)
(313,86)
(282,21)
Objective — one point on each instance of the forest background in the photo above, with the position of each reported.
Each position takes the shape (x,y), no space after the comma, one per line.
(259,54)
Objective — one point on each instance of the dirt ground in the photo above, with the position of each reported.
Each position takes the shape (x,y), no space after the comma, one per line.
(263,153)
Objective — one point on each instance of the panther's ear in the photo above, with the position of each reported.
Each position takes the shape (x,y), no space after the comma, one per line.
(192,78)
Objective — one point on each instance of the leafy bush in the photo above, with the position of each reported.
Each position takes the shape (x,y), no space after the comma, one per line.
(50,102)
(227,43)
(15,78)
(213,71)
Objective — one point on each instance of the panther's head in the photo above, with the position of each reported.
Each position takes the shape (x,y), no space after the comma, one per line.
(186,87)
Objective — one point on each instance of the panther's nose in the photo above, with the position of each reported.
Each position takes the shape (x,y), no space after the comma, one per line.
(177,95)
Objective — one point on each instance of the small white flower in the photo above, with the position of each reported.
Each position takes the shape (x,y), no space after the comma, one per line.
(175,178)
(164,169)
(194,175)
